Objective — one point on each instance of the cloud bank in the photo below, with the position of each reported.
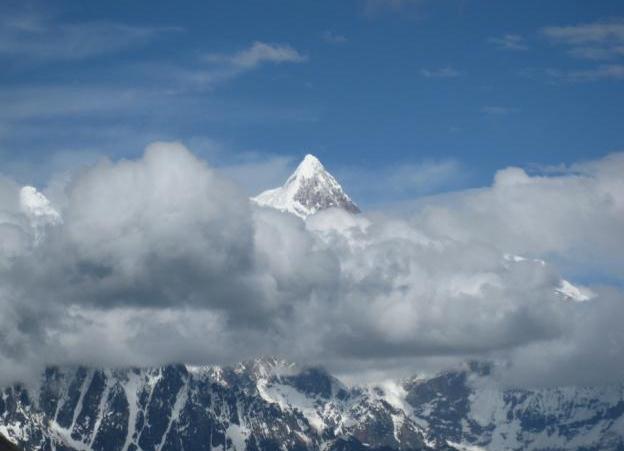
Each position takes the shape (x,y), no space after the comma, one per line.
(163,259)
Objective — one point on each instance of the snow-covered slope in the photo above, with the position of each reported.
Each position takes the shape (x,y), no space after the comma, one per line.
(309,189)
(467,408)
(573,292)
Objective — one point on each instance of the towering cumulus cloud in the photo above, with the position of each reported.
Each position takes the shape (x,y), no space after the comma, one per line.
(163,260)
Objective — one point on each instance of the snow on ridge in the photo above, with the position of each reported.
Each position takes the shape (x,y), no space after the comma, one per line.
(37,207)
(309,189)
(574,292)
(39,211)
(565,289)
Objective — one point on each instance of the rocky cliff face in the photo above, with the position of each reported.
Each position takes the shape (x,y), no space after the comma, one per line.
(268,404)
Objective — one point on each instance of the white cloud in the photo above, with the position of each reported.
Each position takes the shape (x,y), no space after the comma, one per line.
(572,217)
(260,52)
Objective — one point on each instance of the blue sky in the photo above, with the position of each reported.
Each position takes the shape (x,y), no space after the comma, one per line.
(397,98)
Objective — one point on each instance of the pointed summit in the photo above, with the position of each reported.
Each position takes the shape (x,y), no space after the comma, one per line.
(309,189)
(309,166)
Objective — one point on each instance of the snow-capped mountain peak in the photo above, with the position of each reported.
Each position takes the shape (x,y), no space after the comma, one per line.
(309,189)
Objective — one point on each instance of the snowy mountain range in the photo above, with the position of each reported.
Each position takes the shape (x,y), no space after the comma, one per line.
(269,404)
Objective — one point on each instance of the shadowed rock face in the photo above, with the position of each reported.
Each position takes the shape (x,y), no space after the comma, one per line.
(6,445)
(312,382)
(313,195)
(269,404)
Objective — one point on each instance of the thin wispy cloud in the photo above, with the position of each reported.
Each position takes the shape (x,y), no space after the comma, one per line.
(333,38)
(497,110)
(595,41)
(597,53)
(409,179)
(597,32)
(374,6)
(206,71)
(604,72)
(36,37)
(214,68)
(443,72)
(425,177)
(257,54)
(509,42)
(57,101)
